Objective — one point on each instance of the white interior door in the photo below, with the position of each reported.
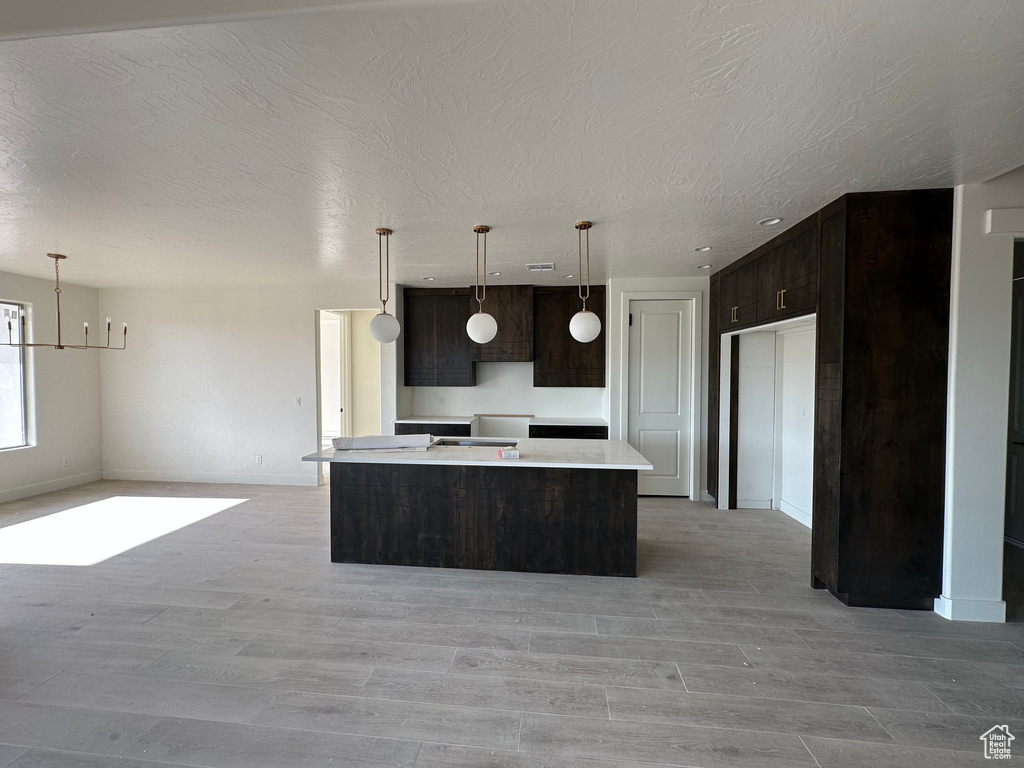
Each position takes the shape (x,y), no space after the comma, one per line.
(660,408)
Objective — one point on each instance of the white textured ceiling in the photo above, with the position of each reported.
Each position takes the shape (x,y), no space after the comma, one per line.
(267,151)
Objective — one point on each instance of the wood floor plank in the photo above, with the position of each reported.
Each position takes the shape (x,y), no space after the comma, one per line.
(426,658)
(120,693)
(812,687)
(699,631)
(921,729)
(445,756)
(752,714)
(232,745)
(644,649)
(565,737)
(465,725)
(524,695)
(73,729)
(832,753)
(589,670)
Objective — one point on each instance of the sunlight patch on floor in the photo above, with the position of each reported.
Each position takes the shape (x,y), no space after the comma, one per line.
(94,532)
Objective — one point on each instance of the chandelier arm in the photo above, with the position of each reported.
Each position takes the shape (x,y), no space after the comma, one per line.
(383,271)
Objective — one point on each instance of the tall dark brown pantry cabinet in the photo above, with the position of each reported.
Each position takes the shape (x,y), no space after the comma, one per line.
(880,420)
(875,269)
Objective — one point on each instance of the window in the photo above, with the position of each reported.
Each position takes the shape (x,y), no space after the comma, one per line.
(12,379)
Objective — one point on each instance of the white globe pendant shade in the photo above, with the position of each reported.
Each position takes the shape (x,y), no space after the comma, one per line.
(384,328)
(481,327)
(585,326)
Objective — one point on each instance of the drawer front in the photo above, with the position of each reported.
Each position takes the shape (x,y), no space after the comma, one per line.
(569,431)
(450,430)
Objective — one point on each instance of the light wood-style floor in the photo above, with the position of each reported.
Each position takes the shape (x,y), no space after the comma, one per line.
(235,643)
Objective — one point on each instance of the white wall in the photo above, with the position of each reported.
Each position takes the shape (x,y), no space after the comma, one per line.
(795,479)
(210,379)
(755,438)
(507,388)
(365,375)
(979,365)
(62,389)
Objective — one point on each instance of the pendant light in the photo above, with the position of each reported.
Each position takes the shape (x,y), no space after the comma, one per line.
(57,258)
(585,325)
(384,327)
(481,327)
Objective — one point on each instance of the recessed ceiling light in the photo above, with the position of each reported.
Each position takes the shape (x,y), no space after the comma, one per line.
(703,266)
(568,276)
(703,249)
(428,278)
(495,274)
(770,222)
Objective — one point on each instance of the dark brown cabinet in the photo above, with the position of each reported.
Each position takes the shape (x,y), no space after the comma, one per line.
(787,278)
(714,382)
(560,360)
(880,420)
(876,269)
(449,430)
(437,349)
(512,309)
(738,298)
(570,431)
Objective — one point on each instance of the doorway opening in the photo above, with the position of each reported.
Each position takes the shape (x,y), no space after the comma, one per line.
(767,444)
(349,380)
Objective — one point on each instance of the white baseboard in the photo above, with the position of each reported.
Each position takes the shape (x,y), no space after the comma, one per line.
(209,477)
(798,514)
(964,609)
(753,503)
(50,485)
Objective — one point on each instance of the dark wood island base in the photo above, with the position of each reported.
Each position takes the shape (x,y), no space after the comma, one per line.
(514,518)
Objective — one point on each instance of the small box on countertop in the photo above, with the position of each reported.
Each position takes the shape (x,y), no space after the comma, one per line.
(508,452)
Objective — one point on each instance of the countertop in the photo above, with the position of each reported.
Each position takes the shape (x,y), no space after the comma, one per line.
(557,421)
(436,420)
(533,452)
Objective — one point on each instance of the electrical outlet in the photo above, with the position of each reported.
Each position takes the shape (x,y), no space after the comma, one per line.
(259,458)
(440,399)
(65,462)
(298,401)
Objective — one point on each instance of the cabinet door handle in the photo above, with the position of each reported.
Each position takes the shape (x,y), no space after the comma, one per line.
(735,319)
(782,299)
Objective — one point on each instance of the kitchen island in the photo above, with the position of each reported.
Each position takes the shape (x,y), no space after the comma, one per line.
(564,506)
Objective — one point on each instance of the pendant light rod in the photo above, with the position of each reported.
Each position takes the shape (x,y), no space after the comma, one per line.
(581,227)
(384,266)
(384,327)
(481,229)
(57,258)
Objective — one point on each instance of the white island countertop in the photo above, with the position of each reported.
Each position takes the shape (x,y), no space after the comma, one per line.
(533,452)
(566,421)
(436,420)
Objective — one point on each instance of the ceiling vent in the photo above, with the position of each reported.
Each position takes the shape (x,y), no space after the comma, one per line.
(541,267)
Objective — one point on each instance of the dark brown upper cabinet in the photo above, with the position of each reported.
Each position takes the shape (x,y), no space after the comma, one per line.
(512,309)
(437,349)
(787,278)
(738,298)
(560,360)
